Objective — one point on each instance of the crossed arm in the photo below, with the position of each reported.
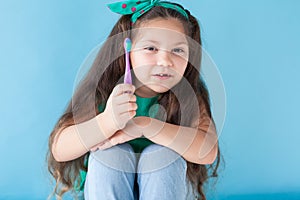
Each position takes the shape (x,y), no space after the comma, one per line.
(197,144)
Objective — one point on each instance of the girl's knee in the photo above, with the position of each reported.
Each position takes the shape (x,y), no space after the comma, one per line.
(119,157)
(159,158)
(110,173)
(160,171)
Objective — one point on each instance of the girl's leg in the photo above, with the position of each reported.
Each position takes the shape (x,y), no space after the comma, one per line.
(111,174)
(162,174)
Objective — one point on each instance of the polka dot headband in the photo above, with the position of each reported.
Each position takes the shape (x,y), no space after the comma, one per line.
(138,8)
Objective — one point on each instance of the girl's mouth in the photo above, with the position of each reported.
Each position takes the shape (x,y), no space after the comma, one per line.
(162,76)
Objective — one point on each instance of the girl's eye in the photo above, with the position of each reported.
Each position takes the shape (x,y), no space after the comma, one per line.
(150,49)
(178,51)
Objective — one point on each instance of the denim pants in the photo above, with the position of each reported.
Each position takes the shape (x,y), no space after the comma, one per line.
(118,173)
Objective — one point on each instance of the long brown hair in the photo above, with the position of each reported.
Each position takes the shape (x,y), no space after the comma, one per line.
(98,83)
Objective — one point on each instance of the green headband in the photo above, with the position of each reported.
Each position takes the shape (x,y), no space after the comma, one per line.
(138,8)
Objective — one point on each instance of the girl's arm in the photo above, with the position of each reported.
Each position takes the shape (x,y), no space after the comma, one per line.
(74,141)
(198,145)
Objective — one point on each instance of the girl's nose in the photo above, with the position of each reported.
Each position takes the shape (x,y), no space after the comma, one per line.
(164,59)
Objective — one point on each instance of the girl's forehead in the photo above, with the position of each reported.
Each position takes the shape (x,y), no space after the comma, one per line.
(162,37)
(169,23)
(159,35)
(160,30)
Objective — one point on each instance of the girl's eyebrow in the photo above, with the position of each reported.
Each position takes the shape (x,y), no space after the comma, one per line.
(156,42)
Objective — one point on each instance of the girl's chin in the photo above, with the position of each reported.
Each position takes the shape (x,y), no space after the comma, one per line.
(151,90)
(159,88)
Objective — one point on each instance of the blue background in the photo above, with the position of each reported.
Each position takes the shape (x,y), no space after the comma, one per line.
(255,45)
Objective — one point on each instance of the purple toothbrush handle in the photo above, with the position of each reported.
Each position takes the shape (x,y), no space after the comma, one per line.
(127,76)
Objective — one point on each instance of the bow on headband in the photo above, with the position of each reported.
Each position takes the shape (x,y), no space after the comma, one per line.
(138,7)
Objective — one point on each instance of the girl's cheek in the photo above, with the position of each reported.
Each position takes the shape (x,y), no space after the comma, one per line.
(180,61)
(146,60)
(181,58)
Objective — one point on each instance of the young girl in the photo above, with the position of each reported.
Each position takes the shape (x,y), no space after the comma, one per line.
(153,139)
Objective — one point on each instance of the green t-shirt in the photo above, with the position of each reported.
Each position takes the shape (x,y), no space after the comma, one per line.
(146,107)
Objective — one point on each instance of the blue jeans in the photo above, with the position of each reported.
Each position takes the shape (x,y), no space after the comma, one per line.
(118,173)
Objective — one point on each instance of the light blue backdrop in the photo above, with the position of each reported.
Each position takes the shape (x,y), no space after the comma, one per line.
(255,45)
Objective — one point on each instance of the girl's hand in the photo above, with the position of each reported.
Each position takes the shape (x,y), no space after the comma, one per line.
(121,106)
(130,132)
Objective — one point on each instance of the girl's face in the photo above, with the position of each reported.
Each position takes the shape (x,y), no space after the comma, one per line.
(159,56)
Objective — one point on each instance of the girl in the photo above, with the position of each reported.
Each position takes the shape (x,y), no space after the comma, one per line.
(154,139)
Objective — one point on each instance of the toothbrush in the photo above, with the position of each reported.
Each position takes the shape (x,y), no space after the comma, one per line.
(127,47)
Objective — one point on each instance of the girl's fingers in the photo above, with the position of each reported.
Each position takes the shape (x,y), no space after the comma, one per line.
(121,106)
(120,137)
(126,108)
(114,140)
(117,138)
(124,98)
(123,88)
(132,98)
(127,115)
(97,146)
(106,145)
(94,149)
